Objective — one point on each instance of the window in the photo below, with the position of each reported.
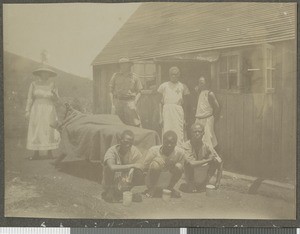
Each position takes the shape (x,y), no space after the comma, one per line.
(269,70)
(146,71)
(250,70)
(229,77)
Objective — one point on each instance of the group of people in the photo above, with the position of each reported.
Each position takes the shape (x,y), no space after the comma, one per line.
(124,165)
(125,91)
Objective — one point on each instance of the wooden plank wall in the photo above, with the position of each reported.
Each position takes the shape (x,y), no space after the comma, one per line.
(102,76)
(257,132)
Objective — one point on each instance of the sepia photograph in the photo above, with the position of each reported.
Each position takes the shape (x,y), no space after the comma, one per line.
(153,110)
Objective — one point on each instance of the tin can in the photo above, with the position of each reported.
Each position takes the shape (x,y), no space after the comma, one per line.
(166,196)
(127,198)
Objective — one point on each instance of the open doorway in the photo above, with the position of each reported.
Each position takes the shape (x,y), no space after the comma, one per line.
(190,71)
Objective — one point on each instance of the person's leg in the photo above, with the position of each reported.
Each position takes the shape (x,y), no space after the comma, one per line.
(138,177)
(119,105)
(219,174)
(58,161)
(131,115)
(109,185)
(152,177)
(214,167)
(35,156)
(49,154)
(176,172)
(189,186)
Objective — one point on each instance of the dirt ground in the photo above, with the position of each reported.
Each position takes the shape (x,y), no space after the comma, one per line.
(37,189)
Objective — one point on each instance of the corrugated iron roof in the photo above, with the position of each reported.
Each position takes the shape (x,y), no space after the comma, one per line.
(164,29)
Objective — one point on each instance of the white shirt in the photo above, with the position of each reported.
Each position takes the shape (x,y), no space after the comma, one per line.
(204,108)
(173,92)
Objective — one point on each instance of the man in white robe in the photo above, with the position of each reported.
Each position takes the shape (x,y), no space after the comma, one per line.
(208,110)
(172,114)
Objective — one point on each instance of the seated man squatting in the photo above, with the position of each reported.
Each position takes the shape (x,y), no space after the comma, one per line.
(197,154)
(160,158)
(122,168)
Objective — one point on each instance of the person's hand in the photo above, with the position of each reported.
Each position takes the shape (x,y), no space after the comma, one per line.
(136,100)
(160,161)
(211,157)
(170,163)
(56,125)
(113,109)
(54,95)
(138,166)
(161,122)
(27,113)
(185,123)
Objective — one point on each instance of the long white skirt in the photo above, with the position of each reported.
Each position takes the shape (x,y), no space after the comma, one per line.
(209,137)
(173,117)
(40,135)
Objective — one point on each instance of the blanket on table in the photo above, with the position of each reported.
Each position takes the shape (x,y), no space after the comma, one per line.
(89,136)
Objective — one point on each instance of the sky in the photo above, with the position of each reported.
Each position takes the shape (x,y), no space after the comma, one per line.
(73,34)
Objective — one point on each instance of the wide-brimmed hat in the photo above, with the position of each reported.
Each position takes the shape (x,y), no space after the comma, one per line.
(124,60)
(38,71)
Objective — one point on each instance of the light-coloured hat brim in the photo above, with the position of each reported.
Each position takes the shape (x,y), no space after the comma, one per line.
(39,71)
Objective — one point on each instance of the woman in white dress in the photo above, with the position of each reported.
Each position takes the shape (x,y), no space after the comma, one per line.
(40,110)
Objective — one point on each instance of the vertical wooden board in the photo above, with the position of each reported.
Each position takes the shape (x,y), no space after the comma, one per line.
(107,103)
(256,140)
(277,132)
(221,127)
(248,148)
(267,135)
(102,89)
(289,113)
(96,79)
(288,135)
(214,75)
(238,133)
(231,131)
(106,100)
(145,110)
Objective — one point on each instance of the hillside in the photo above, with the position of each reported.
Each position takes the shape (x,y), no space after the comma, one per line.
(17,79)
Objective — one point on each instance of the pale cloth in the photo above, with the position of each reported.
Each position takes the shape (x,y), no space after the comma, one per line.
(173,92)
(209,137)
(173,118)
(204,108)
(42,113)
(204,116)
(173,115)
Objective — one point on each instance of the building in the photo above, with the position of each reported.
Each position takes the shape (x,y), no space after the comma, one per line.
(248,50)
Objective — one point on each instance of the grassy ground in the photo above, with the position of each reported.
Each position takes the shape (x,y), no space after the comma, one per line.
(36,189)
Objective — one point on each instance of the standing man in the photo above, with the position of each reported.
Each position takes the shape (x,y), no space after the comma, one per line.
(122,170)
(172,114)
(125,91)
(165,157)
(208,110)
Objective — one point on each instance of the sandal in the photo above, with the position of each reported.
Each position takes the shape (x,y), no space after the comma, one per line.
(175,193)
(34,157)
(154,193)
